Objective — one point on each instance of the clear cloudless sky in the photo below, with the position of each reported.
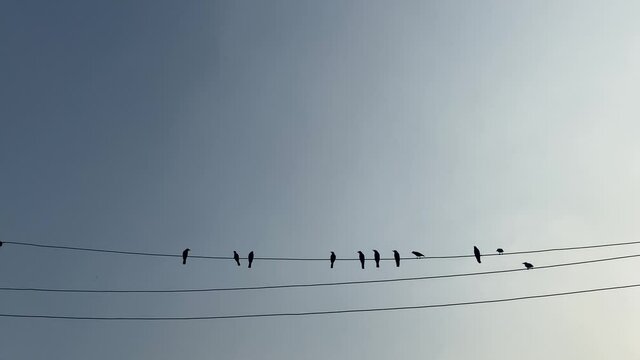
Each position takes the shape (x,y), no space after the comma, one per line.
(293,128)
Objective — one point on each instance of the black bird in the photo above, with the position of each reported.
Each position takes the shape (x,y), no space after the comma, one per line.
(361,256)
(185,253)
(527,265)
(499,251)
(418,254)
(376,257)
(0,243)
(396,256)
(250,259)
(332,258)
(476,253)
(236,257)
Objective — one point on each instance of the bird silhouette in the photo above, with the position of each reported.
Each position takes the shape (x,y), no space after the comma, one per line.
(499,251)
(418,254)
(250,259)
(361,256)
(236,257)
(527,265)
(0,243)
(476,253)
(332,258)
(396,257)
(185,253)
(376,257)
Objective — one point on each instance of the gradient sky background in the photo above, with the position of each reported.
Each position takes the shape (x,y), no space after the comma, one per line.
(293,128)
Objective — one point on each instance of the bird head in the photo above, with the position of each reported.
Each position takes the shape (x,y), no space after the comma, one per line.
(187,249)
(332,253)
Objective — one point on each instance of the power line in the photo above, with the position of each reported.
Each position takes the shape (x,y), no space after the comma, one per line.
(140,253)
(284,286)
(309,313)
(74,248)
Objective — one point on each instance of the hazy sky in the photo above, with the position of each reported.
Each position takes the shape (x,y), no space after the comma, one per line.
(293,128)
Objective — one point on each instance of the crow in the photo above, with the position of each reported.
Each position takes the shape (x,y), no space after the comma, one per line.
(527,265)
(376,257)
(396,257)
(250,259)
(332,258)
(499,251)
(418,254)
(476,253)
(236,257)
(361,256)
(185,253)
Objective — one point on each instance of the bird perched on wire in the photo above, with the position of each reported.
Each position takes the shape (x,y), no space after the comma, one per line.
(476,253)
(185,254)
(396,257)
(0,243)
(332,258)
(236,257)
(250,259)
(499,251)
(376,257)
(361,256)
(418,254)
(527,265)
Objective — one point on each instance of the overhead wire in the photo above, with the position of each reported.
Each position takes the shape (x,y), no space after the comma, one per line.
(311,313)
(303,285)
(156,254)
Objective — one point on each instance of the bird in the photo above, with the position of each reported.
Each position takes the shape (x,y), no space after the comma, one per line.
(376,257)
(527,265)
(250,259)
(476,253)
(361,256)
(499,251)
(418,254)
(236,257)
(396,257)
(185,253)
(332,258)
(1,243)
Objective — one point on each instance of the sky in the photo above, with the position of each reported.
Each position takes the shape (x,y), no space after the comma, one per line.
(296,128)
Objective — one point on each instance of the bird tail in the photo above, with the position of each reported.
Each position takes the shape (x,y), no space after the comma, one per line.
(332,265)
(184,261)
(249,265)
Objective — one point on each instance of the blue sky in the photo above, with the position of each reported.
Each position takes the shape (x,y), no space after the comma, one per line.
(293,128)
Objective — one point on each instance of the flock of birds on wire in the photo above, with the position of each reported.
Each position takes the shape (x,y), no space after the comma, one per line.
(376,257)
